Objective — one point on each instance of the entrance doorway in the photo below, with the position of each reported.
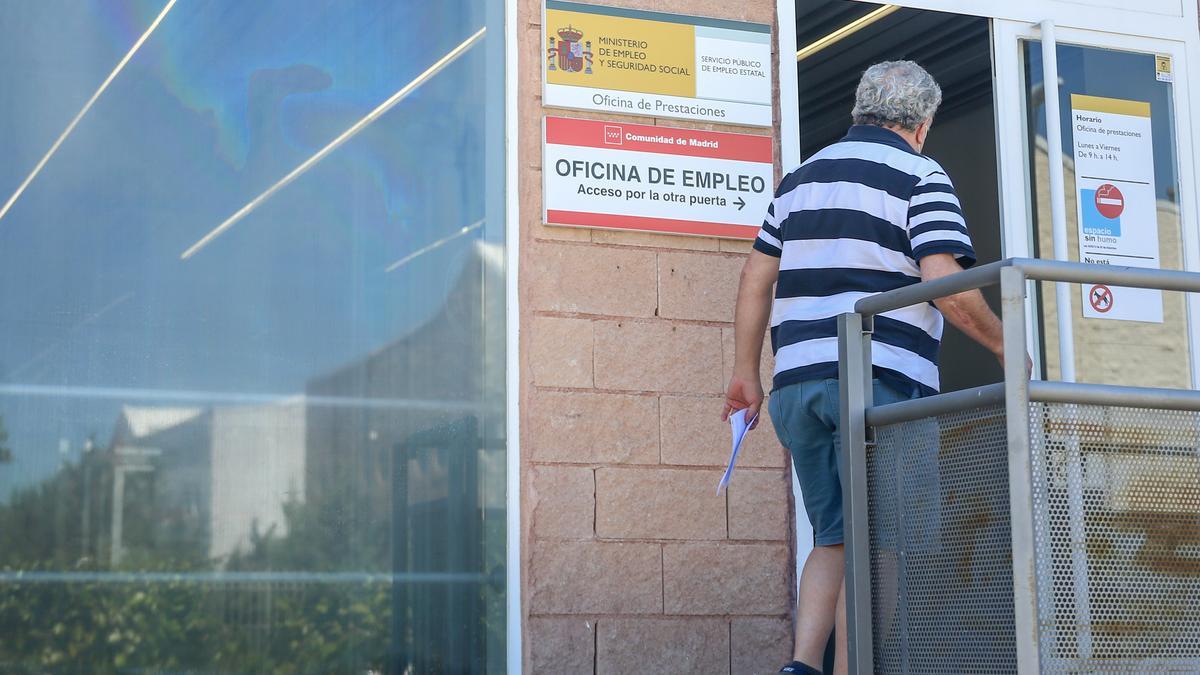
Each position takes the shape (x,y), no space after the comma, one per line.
(1067,128)
(956,50)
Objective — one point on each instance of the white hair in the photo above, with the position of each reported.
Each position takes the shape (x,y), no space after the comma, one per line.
(896,93)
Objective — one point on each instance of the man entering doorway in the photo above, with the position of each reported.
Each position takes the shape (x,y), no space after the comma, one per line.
(867,214)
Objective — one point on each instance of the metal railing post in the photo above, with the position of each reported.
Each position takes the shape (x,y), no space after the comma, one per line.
(1020,470)
(854,379)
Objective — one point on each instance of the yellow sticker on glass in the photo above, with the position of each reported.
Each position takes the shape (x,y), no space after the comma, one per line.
(1162,68)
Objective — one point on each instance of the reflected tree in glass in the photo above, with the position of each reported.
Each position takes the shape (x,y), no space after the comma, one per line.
(5,451)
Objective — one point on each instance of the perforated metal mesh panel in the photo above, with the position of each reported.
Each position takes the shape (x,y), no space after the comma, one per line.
(941,547)
(1117,528)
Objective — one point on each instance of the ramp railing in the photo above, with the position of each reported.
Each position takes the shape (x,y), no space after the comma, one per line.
(1029,527)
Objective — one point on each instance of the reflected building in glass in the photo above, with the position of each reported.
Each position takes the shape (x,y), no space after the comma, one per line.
(252,337)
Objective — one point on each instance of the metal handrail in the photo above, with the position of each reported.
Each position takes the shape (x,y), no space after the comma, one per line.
(1040,270)
(1117,275)
(1040,391)
(1114,395)
(932,406)
(928,291)
(1015,393)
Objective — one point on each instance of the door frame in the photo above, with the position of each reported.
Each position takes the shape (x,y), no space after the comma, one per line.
(1153,30)
(1082,14)
(1150,29)
(1017,233)
(1013,157)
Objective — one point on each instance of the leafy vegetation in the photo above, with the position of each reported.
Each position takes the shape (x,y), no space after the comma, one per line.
(314,595)
(173,614)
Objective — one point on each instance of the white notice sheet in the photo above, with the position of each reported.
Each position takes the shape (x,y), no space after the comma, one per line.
(1117,205)
(738,426)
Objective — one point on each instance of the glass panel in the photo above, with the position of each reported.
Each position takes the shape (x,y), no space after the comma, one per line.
(252,379)
(1121,178)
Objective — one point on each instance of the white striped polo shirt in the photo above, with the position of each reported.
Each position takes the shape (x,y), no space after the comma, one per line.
(853,220)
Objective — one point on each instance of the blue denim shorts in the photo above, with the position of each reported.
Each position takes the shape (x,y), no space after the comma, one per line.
(806,415)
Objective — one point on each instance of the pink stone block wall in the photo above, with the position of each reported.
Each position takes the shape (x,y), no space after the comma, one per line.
(630,561)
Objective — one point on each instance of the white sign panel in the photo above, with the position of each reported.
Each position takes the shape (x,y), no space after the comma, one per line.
(1117,204)
(638,62)
(655,179)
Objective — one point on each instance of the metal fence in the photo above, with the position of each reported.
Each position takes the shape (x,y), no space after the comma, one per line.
(1029,527)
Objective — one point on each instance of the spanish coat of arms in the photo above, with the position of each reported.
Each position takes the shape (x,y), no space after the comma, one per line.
(570,55)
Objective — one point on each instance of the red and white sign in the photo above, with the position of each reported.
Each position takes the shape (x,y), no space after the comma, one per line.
(1101,298)
(655,179)
(1109,201)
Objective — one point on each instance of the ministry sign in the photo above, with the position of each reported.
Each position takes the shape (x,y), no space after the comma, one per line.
(610,59)
(655,179)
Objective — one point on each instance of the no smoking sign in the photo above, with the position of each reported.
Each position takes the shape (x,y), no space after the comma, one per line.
(1109,201)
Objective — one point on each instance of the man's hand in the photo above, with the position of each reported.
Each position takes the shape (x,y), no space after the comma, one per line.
(745,391)
(1028,364)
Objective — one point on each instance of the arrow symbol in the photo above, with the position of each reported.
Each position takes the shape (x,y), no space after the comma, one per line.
(740,202)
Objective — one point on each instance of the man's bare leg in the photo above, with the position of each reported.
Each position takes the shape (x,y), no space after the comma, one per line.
(817,604)
(840,650)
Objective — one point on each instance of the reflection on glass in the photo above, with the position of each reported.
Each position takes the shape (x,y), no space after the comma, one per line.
(284,452)
(1109,351)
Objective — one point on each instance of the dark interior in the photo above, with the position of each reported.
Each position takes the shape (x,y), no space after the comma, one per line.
(955,49)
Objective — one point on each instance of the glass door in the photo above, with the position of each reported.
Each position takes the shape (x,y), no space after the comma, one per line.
(1121,135)
(1126,154)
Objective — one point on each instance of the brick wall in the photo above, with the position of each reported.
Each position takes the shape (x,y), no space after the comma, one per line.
(630,562)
